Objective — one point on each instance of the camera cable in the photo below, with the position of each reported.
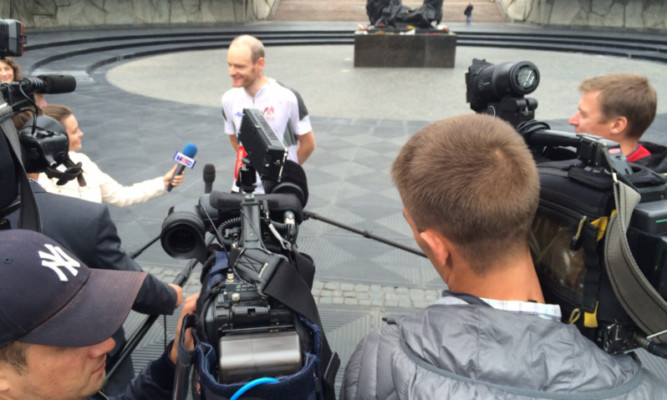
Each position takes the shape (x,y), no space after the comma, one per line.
(252,384)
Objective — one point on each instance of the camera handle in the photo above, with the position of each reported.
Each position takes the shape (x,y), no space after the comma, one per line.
(247,180)
(250,222)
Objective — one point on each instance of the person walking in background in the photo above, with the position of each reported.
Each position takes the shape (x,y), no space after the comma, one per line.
(468,13)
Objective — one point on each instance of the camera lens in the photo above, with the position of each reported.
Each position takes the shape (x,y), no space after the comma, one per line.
(181,240)
(183,235)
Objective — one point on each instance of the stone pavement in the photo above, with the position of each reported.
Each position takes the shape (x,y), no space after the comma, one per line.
(137,113)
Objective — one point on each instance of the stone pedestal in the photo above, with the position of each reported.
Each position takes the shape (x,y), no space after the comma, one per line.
(421,50)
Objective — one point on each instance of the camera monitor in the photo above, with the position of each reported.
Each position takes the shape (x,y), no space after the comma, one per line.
(266,152)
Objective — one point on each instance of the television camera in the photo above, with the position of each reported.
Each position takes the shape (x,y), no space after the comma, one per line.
(42,143)
(577,171)
(246,311)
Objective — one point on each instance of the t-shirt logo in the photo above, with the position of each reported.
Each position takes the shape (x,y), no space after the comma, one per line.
(269,114)
(57,259)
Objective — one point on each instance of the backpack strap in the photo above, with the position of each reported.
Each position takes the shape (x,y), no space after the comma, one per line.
(186,358)
(284,284)
(637,296)
(29,214)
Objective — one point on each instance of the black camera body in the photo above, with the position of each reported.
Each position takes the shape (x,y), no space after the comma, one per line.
(499,89)
(253,333)
(45,144)
(42,145)
(577,175)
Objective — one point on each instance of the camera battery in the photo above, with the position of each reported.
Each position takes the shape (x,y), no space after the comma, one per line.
(650,217)
(250,356)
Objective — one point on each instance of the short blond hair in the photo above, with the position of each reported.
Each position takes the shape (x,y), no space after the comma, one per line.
(473,179)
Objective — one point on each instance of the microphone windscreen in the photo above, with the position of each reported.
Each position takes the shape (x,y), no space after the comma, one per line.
(58,83)
(293,181)
(190,150)
(209,173)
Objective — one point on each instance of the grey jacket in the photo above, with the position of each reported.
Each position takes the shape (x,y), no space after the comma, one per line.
(467,351)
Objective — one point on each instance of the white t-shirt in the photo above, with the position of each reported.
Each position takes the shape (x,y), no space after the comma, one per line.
(281,108)
(279,105)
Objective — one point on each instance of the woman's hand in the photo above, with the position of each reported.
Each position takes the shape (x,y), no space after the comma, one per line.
(177,180)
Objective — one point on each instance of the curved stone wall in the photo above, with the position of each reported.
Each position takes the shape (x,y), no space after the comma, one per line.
(635,14)
(87,13)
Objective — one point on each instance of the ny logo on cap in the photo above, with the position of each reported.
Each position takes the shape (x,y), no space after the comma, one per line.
(58,259)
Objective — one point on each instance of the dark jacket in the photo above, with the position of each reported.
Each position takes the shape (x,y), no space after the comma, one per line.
(657,161)
(86,229)
(466,351)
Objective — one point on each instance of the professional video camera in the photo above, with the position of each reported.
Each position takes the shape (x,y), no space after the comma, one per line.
(255,308)
(612,285)
(42,144)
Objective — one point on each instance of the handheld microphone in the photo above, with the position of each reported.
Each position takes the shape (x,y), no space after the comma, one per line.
(184,159)
(209,177)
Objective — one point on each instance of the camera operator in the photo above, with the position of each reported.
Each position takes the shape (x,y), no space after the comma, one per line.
(620,107)
(86,229)
(490,335)
(54,339)
(283,108)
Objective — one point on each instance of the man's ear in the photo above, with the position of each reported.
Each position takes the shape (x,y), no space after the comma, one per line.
(619,125)
(4,381)
(438,246)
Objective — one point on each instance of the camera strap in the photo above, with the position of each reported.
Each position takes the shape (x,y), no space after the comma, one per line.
(29,213)
(638,297)
(186,358)
(288,287)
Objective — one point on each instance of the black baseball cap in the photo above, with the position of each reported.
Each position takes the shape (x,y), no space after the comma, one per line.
(49,297)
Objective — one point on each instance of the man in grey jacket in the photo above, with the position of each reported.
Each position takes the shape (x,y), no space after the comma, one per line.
(470,190)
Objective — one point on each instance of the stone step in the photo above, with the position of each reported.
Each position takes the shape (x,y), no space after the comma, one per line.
(355,10)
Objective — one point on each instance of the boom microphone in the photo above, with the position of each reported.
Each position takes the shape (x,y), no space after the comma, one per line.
(184,159)
(49,84)
(209,177)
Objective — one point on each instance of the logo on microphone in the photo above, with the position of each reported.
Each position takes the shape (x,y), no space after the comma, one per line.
(184,160)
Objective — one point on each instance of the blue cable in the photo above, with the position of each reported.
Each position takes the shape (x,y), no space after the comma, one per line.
(252,384)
